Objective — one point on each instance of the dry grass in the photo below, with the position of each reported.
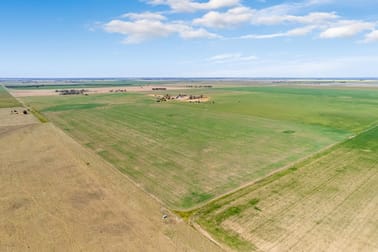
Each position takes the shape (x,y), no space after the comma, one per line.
(9,118)
(57,196)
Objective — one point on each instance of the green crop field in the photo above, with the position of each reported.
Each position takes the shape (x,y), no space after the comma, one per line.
(6,100)
(327,203)
(350,109)
(187,154)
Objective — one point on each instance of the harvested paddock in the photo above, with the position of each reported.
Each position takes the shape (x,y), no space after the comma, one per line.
(57,196)
(327,203)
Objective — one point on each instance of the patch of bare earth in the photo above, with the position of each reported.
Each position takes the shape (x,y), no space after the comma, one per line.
(56,195)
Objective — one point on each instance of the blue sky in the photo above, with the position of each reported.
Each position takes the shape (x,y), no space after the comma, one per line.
(188,38)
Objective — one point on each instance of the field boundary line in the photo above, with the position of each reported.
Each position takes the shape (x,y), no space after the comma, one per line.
(20,101)
(193,214)
(281,169)
(202,231)
(139,187)
(115,169)
(255,181)
(41,118)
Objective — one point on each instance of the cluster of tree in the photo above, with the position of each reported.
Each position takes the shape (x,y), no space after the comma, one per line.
(118,91)
(71,91)
(168,97)
(195,97)
(25,112)
(165,98)
(198,86)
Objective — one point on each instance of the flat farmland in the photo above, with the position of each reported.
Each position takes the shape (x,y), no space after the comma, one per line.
(350,109)
(6,100)
(326,203)
(187,154)
(56,195)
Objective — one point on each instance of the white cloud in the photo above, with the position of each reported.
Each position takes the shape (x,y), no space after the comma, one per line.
(265,18)
(232,17)
(144,26)
(269,16)
(139,27)
(291,33)
(231,57)
(191,6)
(346,28)
(316,2)
(313,18)
(188,32)
(139,30)
(301,31)
(144,15)
(371,37)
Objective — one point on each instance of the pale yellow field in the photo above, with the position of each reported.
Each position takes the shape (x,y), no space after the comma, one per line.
(57,196)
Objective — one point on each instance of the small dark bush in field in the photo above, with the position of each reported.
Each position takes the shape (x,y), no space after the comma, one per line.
(289,132)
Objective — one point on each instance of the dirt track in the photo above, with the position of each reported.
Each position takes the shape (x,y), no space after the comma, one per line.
(57,196)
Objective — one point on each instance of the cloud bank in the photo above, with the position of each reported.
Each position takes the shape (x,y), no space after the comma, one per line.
(214,18)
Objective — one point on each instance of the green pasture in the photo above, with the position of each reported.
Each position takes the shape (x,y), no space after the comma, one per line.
(187,154)
(349,109)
